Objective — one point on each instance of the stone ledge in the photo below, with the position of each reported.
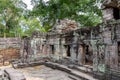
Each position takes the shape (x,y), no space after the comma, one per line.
(70,71)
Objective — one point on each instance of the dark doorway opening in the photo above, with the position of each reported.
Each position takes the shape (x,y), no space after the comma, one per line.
(88,55)
(116,13)
(52,49)
(76,50)
(67,47)
(119,53)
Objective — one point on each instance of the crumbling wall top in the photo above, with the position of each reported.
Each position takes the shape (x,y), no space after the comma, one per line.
(65,25)
(111,3)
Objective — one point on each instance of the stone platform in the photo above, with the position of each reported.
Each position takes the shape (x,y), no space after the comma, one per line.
(45,73)
(77,71)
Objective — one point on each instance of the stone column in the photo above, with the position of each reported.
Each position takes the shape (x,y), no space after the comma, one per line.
(81,55)
(56,49)
(73,52)
(74,46)
(22,50)
(95,55)
(64,51)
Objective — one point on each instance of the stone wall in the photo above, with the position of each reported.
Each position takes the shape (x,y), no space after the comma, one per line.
(96,46)
(9,49)
(72,45)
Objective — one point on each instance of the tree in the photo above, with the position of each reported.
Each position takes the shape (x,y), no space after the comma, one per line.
(10,12)
(86,12)
(29,25)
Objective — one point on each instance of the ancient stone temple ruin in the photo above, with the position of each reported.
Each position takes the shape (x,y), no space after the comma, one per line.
(67,44)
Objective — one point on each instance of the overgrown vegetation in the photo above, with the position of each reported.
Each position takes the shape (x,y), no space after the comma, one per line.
(16,20)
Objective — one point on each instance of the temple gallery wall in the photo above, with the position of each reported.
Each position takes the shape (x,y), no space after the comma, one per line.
(94,46)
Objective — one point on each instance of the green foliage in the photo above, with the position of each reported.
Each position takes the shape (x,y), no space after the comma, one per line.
(10,13)
(16,20)
(9,17)
(29,25)
(83,11)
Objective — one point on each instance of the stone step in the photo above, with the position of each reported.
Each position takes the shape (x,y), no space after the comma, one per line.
(58,66)
(73,77)
(73,72)
(82,75)
(23,65)
(86,69)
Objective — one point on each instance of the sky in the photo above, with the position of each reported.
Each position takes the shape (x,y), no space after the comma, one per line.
(29,6)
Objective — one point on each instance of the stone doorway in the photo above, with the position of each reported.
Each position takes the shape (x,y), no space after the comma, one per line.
(88,55)
(116,13)
(52,49)
(67,48)
(119,53)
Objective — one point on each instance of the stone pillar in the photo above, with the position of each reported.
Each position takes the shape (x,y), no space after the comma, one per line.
(95,55)
(56,46)
(74,46)
(63,51)
(73,52)
(81,55)
(48,50)
(111,56)
(57,49)
(22,50)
